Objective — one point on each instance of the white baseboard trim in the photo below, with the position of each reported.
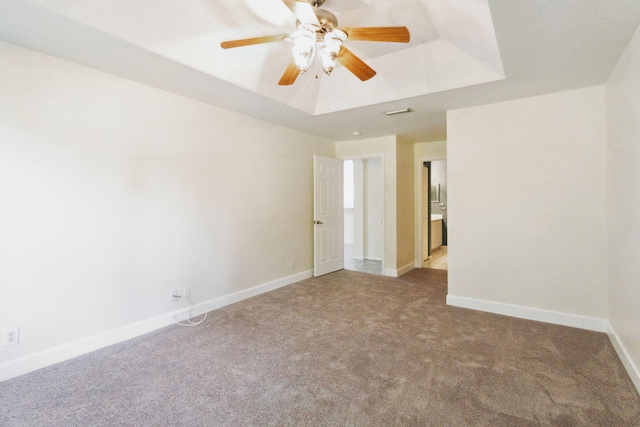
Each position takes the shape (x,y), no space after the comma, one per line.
(397,273)
(530,313)
(558,318)
(32,362)
(367,258)
(252,292)
(625,358)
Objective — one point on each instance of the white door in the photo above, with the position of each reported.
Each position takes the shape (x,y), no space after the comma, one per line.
(328,214)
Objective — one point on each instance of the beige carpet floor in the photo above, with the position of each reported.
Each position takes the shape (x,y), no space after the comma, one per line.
(346,349)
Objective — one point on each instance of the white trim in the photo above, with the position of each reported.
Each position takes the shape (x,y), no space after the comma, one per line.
(256,290)
(558,318)
(530,313)
(397,273)
(23,365)
(625,358)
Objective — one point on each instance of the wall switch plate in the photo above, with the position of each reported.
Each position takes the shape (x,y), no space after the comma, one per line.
(10,336)
(187,292)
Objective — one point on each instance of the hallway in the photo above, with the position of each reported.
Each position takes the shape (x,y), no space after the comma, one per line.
(362,265)
(439,259)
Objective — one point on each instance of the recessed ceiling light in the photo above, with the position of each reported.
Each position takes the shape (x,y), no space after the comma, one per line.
(402,111)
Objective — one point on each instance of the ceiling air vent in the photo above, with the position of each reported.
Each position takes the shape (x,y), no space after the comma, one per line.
(394,112)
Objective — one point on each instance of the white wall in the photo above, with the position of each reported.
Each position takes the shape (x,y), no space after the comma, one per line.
(358,209)
(369,211)
(623,203)
(527,230)
(373,212)
(113,193)
(348,201)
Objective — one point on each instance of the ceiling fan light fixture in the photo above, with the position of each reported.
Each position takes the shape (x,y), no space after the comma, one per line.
(318,38)
(303,50)
(328,52)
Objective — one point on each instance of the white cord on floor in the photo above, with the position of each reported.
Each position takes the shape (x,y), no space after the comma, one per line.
(189,321)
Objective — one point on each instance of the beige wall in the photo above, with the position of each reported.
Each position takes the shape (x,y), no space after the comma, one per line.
(623,203)
(405,197)
(430,150)
(115,193)
(526,185)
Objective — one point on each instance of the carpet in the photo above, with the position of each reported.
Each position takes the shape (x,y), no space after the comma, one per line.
(345,349)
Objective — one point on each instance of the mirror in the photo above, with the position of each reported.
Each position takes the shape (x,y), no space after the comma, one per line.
(435,193)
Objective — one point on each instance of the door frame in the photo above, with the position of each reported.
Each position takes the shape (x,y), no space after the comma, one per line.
(382,182)
(418,206)
(426,165)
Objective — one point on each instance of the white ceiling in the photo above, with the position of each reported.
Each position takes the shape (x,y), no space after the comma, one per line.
(462,53)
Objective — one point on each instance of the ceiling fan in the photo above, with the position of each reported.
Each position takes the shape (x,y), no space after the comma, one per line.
(318,38)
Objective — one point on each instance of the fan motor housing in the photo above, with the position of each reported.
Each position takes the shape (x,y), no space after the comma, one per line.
(328,20)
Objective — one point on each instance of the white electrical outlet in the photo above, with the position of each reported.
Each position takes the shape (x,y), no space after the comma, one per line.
(187,292)
(293,265)
(10,336)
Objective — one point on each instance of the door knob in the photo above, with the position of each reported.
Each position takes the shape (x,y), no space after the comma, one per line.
(318,222)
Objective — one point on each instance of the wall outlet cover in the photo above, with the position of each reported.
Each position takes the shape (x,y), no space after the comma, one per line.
(10,336)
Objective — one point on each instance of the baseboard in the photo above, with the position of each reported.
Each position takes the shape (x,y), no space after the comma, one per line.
(558,318)
(625,358)
(252,292)
(540,315)
(366,258)
(32,362)
(397,273)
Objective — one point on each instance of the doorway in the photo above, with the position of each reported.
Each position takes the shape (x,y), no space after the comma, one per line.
(433,208)
(364,212)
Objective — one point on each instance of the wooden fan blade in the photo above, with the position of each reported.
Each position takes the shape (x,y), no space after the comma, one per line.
(303,11)
(379,34)
(355,64)
(290,75)
(253,40)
